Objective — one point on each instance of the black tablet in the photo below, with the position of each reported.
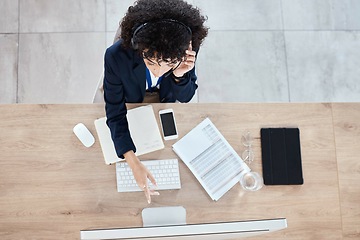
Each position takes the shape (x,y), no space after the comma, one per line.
(281,156)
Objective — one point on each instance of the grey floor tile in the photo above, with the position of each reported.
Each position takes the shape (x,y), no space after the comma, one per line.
(8,67)
(242,14)
(321,14)
(323,66)
(241,66)
(9,16)
(37,16)
(60,67)
(232,66)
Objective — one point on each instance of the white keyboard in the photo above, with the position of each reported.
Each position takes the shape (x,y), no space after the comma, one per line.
(165,172)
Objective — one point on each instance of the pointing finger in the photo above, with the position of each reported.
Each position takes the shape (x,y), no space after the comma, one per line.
(147,194)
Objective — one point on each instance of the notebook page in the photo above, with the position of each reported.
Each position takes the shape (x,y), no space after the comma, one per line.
(218,168)
(106,143)
(143,128)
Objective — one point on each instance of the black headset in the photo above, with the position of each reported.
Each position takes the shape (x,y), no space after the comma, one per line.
(135,45)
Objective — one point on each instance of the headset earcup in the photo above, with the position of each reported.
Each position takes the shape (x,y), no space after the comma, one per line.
(134,45)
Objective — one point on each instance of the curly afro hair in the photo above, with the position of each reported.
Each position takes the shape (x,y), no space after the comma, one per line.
(166,34)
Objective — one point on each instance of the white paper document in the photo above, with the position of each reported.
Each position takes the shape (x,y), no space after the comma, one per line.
(143,129)
(211,159)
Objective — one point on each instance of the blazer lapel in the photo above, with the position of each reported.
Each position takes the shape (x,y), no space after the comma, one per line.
(140,73)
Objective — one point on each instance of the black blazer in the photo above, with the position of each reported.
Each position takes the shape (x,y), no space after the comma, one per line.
(125,82)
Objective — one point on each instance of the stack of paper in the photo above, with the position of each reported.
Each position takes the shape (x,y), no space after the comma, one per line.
(211,159)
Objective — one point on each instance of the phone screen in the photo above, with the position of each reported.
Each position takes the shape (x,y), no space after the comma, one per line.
(168,124)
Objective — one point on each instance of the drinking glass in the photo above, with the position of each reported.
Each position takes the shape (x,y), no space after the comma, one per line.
(251,181)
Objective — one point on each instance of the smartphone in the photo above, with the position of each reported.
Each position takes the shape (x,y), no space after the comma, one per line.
(168,124)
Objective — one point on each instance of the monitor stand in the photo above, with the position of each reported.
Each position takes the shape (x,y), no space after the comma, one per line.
(164,216)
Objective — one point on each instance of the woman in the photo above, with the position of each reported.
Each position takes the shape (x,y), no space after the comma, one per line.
(154,61)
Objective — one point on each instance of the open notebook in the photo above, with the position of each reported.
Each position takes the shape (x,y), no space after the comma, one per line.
(144,132)
(211,159)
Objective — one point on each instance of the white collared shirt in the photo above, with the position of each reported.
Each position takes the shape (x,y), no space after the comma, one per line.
(154,81)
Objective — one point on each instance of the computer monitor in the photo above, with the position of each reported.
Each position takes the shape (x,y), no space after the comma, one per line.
(208,231)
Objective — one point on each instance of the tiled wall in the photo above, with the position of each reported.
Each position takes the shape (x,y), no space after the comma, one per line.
(257,50)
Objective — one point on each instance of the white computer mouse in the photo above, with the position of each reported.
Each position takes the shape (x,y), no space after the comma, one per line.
(84,135)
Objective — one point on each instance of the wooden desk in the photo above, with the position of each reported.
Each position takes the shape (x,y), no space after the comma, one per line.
(347,139)
(51,187)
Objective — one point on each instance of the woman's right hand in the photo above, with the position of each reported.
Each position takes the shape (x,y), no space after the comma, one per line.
(141,174)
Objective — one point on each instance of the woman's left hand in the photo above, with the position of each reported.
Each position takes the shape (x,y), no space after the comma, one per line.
(187,64)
